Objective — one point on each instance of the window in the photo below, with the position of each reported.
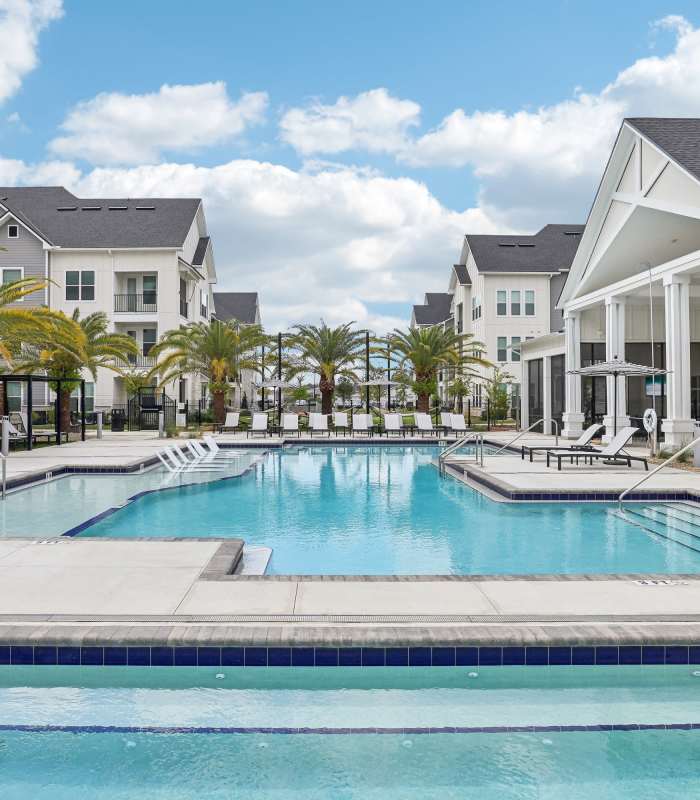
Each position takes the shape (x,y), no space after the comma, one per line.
(13,231)
(14,396)
(515,303)
(529,303)
(149,339)
(460,317)
(150,291)
(477,395)
(182,390)
(515,348)
(204,303)
(502,348)
(80,284)
(476,308)
(89,398)
(10,275)
(501,304)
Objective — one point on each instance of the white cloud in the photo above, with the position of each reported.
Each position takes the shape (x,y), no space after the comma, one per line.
(14,172)
(318,244)
(21,22)
(115,128)
(373,121)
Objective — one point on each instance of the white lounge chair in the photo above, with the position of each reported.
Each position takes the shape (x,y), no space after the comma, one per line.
(446,421)
(362,423)
(458,423)
(424,424)
(15,434)
(290,424)
(232,421)
(582,443)
(178,458)
(218,452)
(615,451)
(318,423)
(258,425)
(393,423)
(340,421)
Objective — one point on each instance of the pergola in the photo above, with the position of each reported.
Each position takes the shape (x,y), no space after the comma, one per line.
(29,380)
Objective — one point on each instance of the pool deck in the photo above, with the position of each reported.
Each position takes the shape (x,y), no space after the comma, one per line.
(180,591)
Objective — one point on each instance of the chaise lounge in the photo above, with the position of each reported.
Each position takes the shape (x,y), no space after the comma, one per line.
(582,443)
(615,450)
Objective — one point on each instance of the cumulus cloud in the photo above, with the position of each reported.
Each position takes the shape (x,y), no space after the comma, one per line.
(328,243)
(373,121)
(115,128)
(21,22)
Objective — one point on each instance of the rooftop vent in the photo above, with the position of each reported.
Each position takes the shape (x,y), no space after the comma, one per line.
(92,208)
(67,208)
(525,244)
(572,233)
(145,208)
(506,244)
(118,208)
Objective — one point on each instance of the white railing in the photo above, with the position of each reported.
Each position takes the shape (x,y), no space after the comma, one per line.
(478,439)
(648,475)
(522,433)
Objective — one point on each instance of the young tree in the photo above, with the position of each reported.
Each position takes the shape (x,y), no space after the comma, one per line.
(497,392)
(345,390)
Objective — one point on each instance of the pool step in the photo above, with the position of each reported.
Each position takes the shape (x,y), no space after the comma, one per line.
(659,521)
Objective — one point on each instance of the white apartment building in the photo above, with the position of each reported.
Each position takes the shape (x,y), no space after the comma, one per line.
(244,307)
(147,263)
(633,292)
(503,292)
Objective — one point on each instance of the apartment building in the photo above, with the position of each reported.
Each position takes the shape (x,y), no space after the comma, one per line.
(503,291)
(147,263)
(244,307)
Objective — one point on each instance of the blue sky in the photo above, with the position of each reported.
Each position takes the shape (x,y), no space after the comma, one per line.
(346,148)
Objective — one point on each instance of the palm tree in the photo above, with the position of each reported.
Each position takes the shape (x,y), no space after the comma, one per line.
(17,323)
(459,389)
(426,350)
(74,345)
(218,351)
(328,353)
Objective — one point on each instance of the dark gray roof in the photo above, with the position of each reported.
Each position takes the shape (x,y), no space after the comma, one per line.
(462,274)
(435,310)
(201,250)
(101,222)
(549,250)
(236,305)
(678,137)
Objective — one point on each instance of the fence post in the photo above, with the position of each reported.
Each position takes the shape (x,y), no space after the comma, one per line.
(488,414)
(469,413)
(99,424)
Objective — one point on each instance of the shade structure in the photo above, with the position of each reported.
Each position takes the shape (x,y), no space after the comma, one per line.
(616,369)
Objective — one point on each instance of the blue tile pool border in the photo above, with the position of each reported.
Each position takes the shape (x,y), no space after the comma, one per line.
(253,657)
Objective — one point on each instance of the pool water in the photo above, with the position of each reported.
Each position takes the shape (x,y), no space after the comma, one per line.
(123,733)
(385,510)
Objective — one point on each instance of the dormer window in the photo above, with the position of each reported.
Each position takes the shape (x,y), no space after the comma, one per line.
(13,231)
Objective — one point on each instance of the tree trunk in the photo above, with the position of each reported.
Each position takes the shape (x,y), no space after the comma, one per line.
(64,409)
(219,406)
(423,403)
(327,388)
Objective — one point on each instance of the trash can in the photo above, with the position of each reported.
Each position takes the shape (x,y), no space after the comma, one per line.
(118,420)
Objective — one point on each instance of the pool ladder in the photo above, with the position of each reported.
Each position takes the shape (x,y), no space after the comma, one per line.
(477,438)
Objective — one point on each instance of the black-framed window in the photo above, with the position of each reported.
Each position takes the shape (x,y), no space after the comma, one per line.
(80,284)
(13,231)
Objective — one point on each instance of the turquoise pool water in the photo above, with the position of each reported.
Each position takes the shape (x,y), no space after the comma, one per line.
(385,510)
(184,755)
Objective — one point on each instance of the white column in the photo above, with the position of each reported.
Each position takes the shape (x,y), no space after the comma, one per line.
(615,349)
(678,426)
(525,396)
(546,394)
(573,416)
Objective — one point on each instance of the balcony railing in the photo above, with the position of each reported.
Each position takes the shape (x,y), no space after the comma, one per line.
(136,303)
(138,361)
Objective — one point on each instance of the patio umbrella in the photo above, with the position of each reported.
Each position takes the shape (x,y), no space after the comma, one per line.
(616,369)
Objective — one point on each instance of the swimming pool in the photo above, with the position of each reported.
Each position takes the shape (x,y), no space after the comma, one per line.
(514,733)
(385,510)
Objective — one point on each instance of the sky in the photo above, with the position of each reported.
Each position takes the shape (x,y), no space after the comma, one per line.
(342,150)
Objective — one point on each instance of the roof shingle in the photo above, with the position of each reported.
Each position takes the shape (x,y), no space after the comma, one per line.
(549,250)
(678,137)
(241,306)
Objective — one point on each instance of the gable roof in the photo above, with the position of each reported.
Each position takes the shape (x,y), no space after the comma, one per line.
(436,308)
(242,306)
(64,220)
(678,137)
(462,274)
(200,251)
(549,250)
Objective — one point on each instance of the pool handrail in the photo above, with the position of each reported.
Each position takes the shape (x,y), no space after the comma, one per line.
(529,428)
(479,450)
(648,475)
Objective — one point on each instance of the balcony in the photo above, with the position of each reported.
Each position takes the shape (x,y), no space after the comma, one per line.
(138,361)
(136,303)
